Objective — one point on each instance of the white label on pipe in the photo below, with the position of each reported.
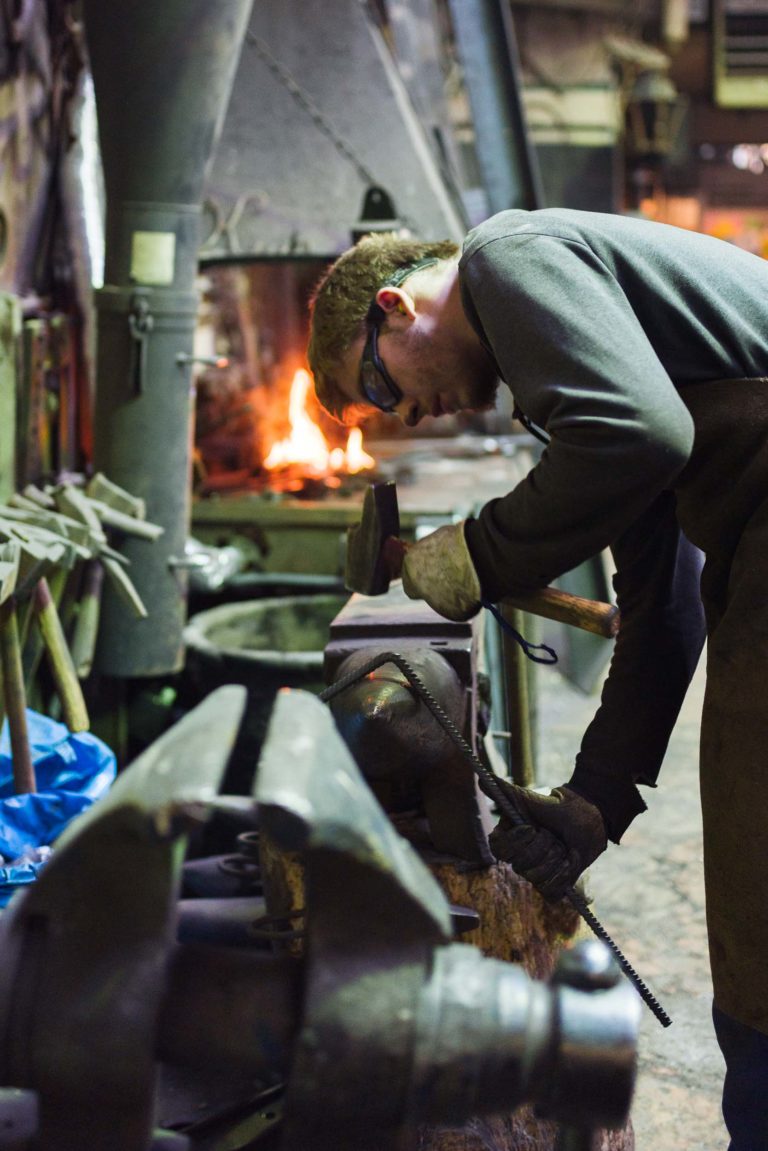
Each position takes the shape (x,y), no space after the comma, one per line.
(152,257)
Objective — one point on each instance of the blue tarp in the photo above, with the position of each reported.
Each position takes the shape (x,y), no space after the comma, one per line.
(72,770)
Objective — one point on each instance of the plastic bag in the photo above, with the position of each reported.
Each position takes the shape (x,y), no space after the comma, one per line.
(72,769)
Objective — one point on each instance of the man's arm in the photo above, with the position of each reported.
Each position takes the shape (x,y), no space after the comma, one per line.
(580,365)
(657,650)
(659,644)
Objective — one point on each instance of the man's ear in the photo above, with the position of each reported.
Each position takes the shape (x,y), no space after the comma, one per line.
(396,300)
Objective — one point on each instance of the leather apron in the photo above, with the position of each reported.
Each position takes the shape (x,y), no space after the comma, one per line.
(722,499)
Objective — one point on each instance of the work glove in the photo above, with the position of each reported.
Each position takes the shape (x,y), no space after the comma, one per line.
(439,570)
(562,835)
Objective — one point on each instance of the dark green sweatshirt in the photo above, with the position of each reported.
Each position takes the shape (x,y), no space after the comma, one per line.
(596,322)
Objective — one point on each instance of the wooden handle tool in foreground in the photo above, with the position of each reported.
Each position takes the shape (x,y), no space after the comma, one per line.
(375,556)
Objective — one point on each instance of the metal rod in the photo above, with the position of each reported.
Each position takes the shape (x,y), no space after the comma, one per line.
(518,703)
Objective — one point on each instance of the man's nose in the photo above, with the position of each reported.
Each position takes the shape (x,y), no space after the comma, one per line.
(408,412)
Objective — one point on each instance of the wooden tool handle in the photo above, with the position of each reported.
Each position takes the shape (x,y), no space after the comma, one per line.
(550,602)
(588,614)
(15,701)
(73,705)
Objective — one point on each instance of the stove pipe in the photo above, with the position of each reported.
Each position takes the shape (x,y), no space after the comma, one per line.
(162,77)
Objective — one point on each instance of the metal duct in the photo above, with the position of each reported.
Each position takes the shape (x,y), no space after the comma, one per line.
(162,77)
(485,37)
(319,113)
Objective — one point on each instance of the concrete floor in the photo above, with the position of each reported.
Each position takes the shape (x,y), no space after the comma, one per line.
(649,895)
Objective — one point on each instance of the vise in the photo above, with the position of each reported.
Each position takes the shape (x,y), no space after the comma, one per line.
(407,761)
(383,1024)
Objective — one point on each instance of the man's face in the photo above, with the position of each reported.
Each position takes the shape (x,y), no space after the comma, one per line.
(435,374)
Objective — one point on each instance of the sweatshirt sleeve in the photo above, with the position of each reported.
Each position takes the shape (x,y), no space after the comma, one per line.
(658,647)
(580,365)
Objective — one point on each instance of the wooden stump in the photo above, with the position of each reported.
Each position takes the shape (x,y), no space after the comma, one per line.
(516,924)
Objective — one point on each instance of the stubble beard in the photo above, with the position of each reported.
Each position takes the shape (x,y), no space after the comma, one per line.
(484,384)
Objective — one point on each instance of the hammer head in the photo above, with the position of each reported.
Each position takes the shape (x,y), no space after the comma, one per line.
(370,564)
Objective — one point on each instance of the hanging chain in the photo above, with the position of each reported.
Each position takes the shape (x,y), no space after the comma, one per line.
(305,101)
(318,117)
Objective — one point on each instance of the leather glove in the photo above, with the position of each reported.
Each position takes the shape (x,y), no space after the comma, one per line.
(563,834)
(439,570)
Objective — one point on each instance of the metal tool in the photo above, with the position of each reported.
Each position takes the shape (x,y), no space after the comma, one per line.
(386,1023)
(375,556)
(68,526)
(490,786)
(86,949)
(393,740)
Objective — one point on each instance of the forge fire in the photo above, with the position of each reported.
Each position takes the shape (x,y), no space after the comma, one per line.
(269,438)
(258,425)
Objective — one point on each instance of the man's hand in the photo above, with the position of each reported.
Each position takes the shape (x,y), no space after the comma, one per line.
(562,835)
(439,570)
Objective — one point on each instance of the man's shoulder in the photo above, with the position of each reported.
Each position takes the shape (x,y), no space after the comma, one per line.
(518,226)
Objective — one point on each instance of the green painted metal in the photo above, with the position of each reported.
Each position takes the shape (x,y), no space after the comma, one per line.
(162,77)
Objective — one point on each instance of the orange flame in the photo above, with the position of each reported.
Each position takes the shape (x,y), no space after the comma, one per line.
(306,444)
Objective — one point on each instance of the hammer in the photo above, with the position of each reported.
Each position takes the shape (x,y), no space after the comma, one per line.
(375,556)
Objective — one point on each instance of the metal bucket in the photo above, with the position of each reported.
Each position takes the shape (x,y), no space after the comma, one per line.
(264,644)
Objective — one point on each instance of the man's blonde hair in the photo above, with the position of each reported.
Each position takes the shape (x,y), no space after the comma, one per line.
(340,302)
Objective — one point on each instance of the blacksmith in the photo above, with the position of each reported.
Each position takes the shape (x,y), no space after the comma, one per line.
(641,352)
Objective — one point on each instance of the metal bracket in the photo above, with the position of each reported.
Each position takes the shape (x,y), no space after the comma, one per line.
(140,325)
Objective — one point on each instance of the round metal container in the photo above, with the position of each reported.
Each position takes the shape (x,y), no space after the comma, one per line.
(263,644)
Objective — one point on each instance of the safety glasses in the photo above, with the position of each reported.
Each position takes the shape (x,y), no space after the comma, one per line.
(376,384)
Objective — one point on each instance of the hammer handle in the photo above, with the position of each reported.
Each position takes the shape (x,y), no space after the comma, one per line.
(588,614)
(63,671)
(550,602)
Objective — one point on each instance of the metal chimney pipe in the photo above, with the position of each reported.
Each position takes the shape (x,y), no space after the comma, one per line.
(162,75)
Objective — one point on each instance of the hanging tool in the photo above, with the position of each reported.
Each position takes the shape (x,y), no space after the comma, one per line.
(375,556)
